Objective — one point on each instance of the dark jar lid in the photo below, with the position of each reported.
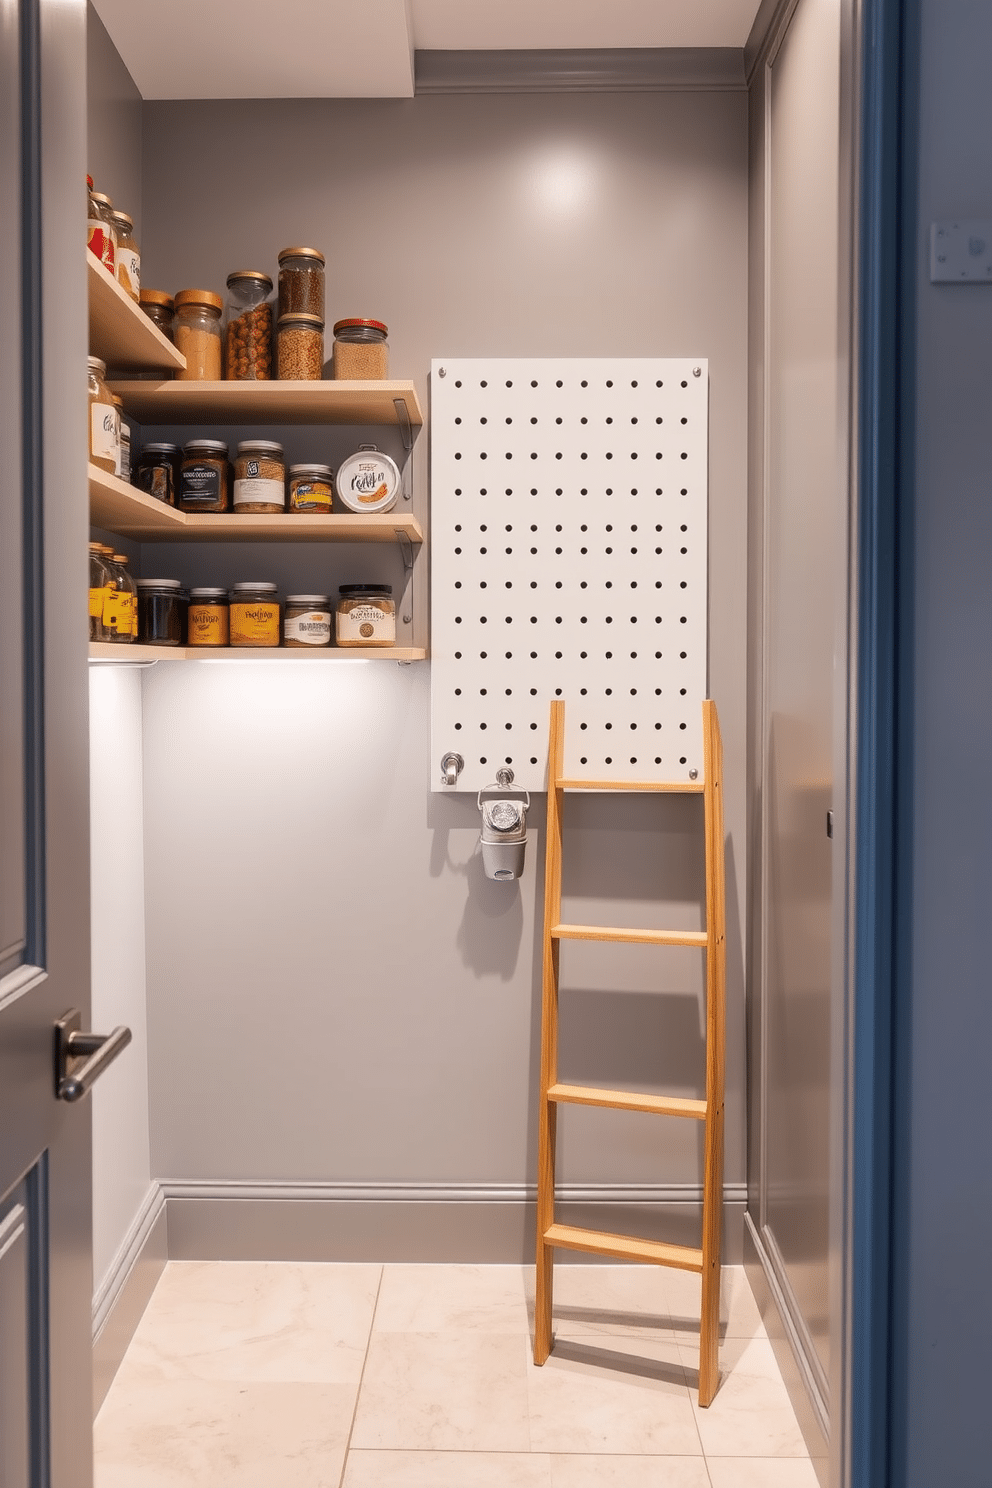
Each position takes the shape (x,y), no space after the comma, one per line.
(366,589)
(158,449)
(209,596)
(172,587)
(215,449)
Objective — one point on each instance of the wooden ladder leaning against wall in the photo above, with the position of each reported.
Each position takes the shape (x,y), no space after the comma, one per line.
(706,1260)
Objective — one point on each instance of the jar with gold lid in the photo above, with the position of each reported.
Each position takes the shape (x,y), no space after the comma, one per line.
(128,256)
(301,282)
(160,309)
(196,332)
(101,234)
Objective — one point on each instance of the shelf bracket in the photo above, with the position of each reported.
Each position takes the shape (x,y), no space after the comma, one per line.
(406,551)
(403,420)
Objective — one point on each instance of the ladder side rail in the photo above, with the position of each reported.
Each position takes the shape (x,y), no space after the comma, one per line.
(709,1332)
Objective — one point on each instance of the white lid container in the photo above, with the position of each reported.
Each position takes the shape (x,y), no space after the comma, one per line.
(368,481)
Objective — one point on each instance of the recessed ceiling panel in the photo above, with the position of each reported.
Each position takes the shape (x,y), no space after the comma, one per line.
(456,25)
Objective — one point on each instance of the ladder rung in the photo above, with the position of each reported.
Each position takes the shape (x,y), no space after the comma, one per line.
(625,1247)
(628,1100)
(667,787)
(633,937)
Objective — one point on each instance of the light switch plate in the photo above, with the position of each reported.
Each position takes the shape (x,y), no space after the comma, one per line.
(960,252)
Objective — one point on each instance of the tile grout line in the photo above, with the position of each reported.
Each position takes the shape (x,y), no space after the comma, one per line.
(361,1379)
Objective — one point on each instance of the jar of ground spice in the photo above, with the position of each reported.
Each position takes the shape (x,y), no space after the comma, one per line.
(160,309)
(128,256)
(259,477)
(161,612)
(361,351)
(104,419)
(307,620)
(248,327)
(204,476)
(301,348)
(208,621)
(301,282)
(196,333)
(366,615)
(254,614)
(157,472)
(311,488)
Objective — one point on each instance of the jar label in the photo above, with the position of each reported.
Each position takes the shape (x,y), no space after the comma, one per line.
(366,622)
(201,486)
(311,629)
(125,453)
(252,488)
(104,439)
(311,496)
(155,480)
(208,625)
(255,624)
(97,600)
(118,612)
(129,271)
(99,242)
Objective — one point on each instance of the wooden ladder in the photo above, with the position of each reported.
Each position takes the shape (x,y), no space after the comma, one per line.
(705,1261)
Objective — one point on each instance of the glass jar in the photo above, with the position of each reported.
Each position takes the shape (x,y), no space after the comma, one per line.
(157,472)
(254,615)
(301,348)
(208,618)
(248,327)
(98,591)
(368,481)
(105,431)
(196,332)
(161,612)
(311,488)
(128,593)
(301,282)
(307,620)
(204,476)
(366,615)
(160,309)
(101,234)
(128,256)
(361,351)
(123,471)
(259,477)
(118,604)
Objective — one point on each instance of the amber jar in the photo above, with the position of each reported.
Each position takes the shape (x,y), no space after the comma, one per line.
(259,477)
(128,256)
(301,282)
(99,580)
(101,234)
(157,470)
(104,419)
(248,327)
(204,476)
(160,309)
(307,621)
(366,615)
(311,488)
(254,615)
(361,351)
(196,331)
(301,348)
(208,621)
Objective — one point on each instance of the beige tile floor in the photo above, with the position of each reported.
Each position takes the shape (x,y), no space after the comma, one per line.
(284,1375)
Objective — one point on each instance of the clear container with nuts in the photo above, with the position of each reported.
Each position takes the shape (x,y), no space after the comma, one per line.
(311,488)
(361,351)
(259,477)
(248,327)
(301,282)
(196,333)
(301,348)
(307,620)
(366,615)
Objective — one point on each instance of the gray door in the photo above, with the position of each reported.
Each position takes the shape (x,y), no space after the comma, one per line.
(45,1228)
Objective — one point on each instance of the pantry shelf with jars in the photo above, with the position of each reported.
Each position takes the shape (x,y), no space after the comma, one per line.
(121,334)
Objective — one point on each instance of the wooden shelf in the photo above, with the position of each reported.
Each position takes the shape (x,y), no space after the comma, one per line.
(135,655)
(271,402)
(118,507)
(120,332)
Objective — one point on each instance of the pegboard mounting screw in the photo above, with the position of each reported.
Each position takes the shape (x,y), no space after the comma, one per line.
(693,774)
(442,371)
(407,619)
(697,371)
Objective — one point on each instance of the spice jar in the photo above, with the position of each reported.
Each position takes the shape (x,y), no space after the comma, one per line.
(101,234)
(156,472)
(361,351)
(98,591)
(196,332)
(259,477)
(301,348)
(301,282)
(160,309)
(209,618)
(366,615)
(311,488)
(254,615)
(307,621)
(368,481)
(204,476)
(128,256)
(104,419)
(161,612)
(248,327)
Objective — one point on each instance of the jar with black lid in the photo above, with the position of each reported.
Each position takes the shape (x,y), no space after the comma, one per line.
(301,282)
(307,620)
(204,479)
(156,472)
(209,618)
(161,612)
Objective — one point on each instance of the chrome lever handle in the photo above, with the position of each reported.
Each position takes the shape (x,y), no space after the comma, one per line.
(97,1049)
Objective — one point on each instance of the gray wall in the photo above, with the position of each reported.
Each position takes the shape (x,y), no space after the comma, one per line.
(380,1024)
(944,1299)
(113,122)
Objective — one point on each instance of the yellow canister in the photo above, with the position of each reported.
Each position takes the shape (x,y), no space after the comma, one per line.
(208,623)
(254,615)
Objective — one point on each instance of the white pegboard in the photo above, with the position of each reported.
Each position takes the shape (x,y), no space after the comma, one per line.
(569,559)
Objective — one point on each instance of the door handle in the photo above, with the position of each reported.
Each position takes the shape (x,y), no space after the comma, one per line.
(97,1049)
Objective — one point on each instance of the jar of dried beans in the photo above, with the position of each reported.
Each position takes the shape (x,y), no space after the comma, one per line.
(361,351)
(259,477)
(301,348)
(248,323)
(301,282)
(104,419)
(196,333)
(366,615)
(254,615)
(204,476)
(128,256)
(311,488)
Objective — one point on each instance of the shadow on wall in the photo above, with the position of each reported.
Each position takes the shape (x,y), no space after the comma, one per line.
(491,929)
